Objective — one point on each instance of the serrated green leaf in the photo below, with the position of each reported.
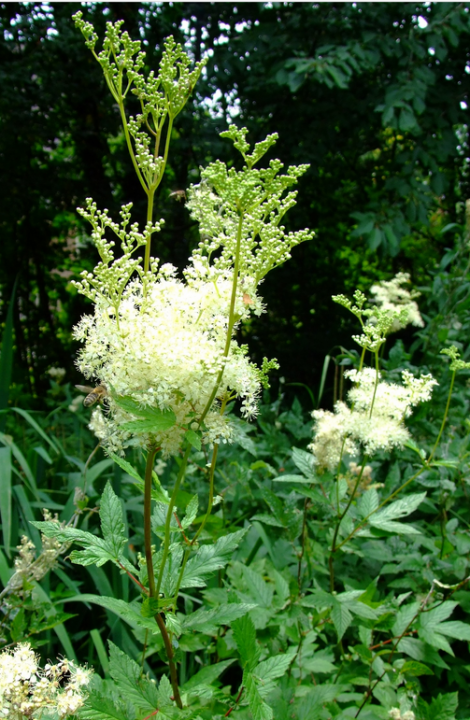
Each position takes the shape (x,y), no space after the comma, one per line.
(165,692)
(368,502)
(135,687)
(244,634)
(444,707)
(145,426)
(210,558)
(293,479)
(415,669)
(363,610)
(96,550)
(127,467)
(422,652)
(112,520)
(438,614)
(341,617)
(274,666)
(159,519)
(121,608)
(266,519)
(209,620)
(304,461)
(435,639)
(318,599)
(259,709)
(310,706)
(398,509)
(150,607)
(260,591)
(320,664)
(191,512)
(103,703)
(161,419)
(207,675)
(454,629)
(282,586)
(392,526)
(193,438)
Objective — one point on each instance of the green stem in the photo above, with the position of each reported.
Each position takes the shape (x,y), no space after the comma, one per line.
(172,503)
(180,576)
(334,548)
(208,512)
(170,655)
(371,689)
(303,542)
(147,520)
(151,578)
(231,321)
(387,500)
(375,384)
(129,146)
(444,419)
(167,147)
(211,492)
(150,196)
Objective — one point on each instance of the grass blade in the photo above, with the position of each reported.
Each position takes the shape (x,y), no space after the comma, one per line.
(324,371)
(5,570)
(29,478)
(100,650)
(5,496)
(59,630)
(28,516)
(37,427)
(6,358)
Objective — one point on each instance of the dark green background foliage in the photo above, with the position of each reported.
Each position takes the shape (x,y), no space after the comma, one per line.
(360,91)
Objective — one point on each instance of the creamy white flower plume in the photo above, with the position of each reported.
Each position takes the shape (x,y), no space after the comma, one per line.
(165,349)
(375,420)
(391,295)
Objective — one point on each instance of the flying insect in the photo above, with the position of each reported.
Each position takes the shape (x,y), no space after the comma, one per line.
(94,395)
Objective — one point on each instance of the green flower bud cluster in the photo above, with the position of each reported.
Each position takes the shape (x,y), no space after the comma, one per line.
(111,276)
(162,96)
(240,213)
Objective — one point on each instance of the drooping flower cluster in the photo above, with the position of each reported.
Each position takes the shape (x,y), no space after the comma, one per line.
(375,420)
(391,295)
(168,344)
(26,690)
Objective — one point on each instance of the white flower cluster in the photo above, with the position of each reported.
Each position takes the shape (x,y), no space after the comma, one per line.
(375,420)
(26,690)
(395,714)
(56,373)
(28,567)
(165,350)
(391,295)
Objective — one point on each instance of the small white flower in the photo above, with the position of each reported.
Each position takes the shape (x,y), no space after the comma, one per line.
(56,373)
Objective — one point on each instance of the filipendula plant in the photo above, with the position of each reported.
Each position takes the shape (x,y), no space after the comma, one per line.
(164,348)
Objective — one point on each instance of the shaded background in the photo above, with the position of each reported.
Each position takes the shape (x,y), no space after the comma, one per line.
(372,95)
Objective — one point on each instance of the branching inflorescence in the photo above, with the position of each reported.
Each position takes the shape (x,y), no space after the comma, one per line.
(163,344)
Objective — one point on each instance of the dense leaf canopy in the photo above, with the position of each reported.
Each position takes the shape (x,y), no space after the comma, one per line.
(372,95)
